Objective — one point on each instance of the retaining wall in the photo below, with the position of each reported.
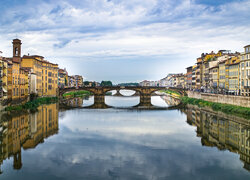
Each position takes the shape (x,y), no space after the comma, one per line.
(220,98)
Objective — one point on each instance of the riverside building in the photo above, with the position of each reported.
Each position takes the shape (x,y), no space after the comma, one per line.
(245,72)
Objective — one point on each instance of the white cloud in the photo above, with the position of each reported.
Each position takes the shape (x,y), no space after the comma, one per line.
(103,30)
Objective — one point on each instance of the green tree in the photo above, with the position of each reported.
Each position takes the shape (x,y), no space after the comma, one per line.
(86,83)
(106,83)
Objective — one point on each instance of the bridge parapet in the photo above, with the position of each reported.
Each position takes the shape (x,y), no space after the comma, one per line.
(99,93)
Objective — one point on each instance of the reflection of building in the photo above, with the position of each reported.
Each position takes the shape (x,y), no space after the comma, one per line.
(221,131)
(26,130)
(75,102)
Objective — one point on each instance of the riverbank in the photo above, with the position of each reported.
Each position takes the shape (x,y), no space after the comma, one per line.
(77,94)
(172,93)
(226,108)
(243,101)
(32,105)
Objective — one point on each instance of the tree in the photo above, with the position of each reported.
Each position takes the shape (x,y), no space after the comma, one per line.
(106,83)
(86,83)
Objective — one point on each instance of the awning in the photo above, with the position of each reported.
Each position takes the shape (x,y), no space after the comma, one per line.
(4,90)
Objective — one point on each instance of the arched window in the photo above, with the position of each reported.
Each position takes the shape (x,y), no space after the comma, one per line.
(16,51)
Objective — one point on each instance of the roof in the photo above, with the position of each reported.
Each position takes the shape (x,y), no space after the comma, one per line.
(247,46)
(37,56)
(189,67)
(223,61)
(214,67)
(32,56)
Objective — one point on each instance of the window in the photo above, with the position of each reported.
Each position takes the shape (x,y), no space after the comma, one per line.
(16,51)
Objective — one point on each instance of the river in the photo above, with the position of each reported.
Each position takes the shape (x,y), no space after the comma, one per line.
(123,143)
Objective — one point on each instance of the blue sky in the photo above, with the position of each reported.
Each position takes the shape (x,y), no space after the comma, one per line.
(124,40)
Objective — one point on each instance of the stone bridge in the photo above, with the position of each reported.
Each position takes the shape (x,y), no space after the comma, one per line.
(99,93)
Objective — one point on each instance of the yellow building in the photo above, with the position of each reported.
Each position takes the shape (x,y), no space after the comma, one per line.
(214,77)
(24,84)
(233,75)
(34,63)
(222,76)
(49,78)
(194,77)
(46,83)
(15,80)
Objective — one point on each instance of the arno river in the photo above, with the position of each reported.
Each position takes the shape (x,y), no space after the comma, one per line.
(123,143)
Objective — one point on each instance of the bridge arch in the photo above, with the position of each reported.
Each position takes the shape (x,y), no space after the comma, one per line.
(99,93)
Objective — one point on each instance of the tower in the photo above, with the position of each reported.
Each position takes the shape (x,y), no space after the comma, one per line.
(16,50)
(16,47)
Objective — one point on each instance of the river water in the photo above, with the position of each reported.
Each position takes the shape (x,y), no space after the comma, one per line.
(123,143)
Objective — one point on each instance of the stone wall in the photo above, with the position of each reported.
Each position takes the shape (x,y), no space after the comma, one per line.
(219,98)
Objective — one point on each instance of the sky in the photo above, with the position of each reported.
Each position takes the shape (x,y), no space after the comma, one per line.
(124,40)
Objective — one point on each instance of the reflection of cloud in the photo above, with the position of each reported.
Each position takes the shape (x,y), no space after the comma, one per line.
(100,144)
(79,157)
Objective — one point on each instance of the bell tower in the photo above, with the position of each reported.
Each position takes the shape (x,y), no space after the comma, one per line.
(16,47)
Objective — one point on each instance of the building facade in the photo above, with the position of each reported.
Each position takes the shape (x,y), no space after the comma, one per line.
(245,72)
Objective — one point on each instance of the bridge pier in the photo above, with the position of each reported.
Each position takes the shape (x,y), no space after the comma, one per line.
(145,100)
(118,93)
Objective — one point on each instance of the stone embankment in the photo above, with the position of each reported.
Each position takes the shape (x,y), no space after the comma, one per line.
(220,98)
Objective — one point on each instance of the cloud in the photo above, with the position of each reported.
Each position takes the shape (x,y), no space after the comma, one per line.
(100,30)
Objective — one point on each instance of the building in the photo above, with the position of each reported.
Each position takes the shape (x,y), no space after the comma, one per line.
(189,77)
(3,78)
(198,73)
(245,72)
(45,74)
(222,76)
(214,78)
(78,81)
(63,78)
(9,79)
(144,83)
(180,80)
(194,77)
(72,81)
(233,75)
(49,78)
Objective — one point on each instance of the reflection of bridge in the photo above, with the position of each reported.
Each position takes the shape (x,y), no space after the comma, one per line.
(99,93)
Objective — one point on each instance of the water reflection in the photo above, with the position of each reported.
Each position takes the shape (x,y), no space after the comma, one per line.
(222,131)
(157,102)
(26,130)
(120,144)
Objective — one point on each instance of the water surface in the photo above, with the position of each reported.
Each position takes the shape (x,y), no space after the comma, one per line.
(116,143)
